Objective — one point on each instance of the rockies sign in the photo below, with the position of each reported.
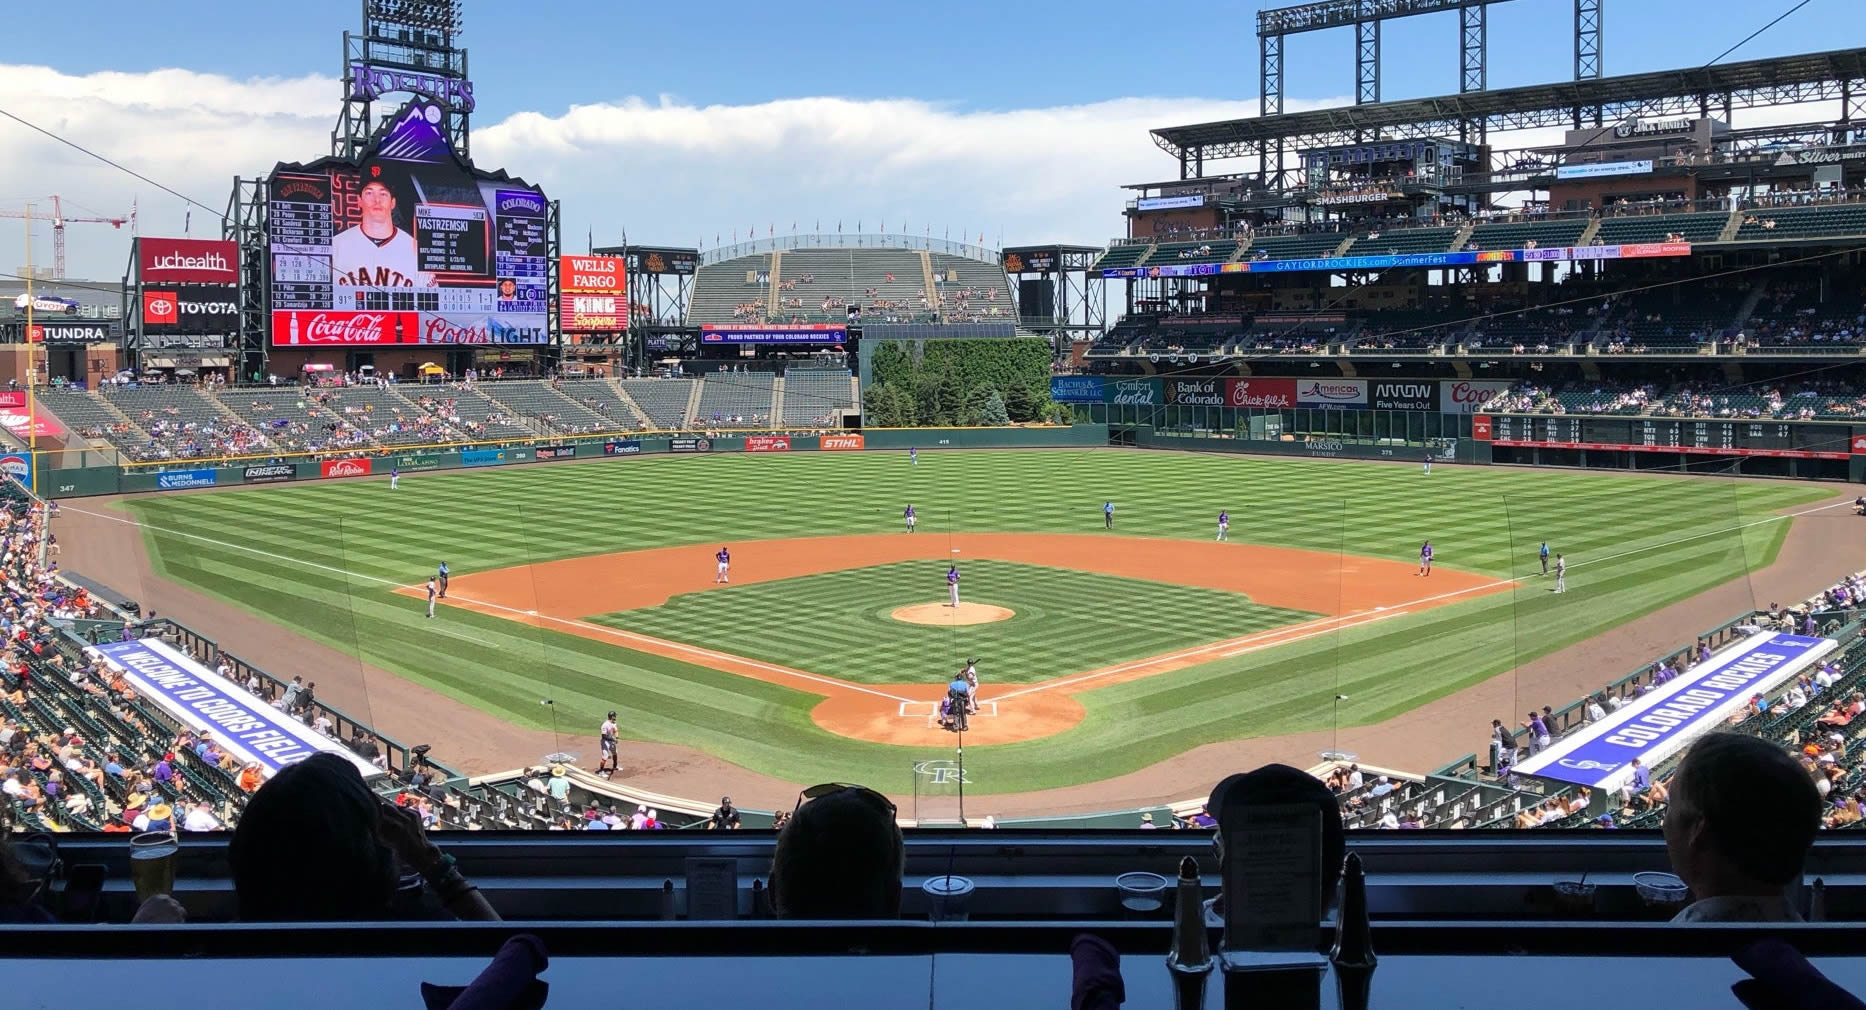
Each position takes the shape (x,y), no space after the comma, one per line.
(191,308)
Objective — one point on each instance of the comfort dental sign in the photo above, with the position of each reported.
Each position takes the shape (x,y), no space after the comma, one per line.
(201,699)
(1665,721)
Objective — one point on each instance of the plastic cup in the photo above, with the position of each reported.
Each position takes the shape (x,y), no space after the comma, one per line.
(152,863)
(1143,895)
(1661,891)
(1574,899)
(950,898)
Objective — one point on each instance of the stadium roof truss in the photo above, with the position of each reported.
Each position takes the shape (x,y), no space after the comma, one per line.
(1837,75)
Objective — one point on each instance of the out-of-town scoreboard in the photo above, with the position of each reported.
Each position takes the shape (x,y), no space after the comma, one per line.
(1715,437)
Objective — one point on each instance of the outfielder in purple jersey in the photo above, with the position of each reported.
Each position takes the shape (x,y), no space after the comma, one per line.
(724,558)
(1224,525)
(1425,559)
(910,517)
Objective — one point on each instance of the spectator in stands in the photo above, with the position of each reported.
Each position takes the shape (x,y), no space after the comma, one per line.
(314,844)
(1277,785)
(1741,820)
(839,856)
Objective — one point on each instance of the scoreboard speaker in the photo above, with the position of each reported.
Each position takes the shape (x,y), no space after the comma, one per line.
(1036,298)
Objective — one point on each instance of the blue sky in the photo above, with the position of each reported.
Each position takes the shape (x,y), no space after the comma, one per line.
(682,123)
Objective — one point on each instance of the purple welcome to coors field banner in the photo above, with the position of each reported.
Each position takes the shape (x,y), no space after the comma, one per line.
(1663,722)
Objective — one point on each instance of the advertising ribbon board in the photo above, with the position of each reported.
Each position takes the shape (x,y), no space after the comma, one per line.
(1331,393)
(690,445)
(1464,396)
(628,447)
(1133,392)
(174,479)
(410,464)
(272,473)
(767,443)
(244,726)
(482,457)
(1391,395)
(554,452)
(841,443)
(1076,388)
(346,468)
(1260,393)
(1667,719)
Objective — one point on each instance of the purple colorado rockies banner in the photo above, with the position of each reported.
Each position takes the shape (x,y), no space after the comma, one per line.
(1665,721)
(205,701)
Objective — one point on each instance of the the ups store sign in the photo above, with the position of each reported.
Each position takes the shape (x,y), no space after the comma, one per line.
(1403,395)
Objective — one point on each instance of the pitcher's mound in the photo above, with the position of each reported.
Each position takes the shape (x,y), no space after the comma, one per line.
(941,614)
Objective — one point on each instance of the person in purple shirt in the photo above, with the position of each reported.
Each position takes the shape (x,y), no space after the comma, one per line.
(952,585)
(1538,732)
(1224,525)
(162,771)
(1642,778)
(910,517)
(1425,558)
(724,557)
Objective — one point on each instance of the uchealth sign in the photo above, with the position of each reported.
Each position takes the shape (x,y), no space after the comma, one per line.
(1331,392)
(1262,393)
(767,443)
(346,468)
(187,260)
(1387,394)
(1465,396)
(17,417)
(841,443)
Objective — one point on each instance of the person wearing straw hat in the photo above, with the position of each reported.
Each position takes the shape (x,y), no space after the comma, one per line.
(559,786)
(161,818)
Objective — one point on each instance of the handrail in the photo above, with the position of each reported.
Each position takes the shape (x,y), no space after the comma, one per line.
(853,240)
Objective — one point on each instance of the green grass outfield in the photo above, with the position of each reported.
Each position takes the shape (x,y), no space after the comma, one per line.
(1635,543)
(1067,621)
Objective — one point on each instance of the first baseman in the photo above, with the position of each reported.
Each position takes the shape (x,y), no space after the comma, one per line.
(724,558)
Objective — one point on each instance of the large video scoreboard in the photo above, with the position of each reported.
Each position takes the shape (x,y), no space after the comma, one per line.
(1786,439)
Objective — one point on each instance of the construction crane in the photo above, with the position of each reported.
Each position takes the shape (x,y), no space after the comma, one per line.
(59,221)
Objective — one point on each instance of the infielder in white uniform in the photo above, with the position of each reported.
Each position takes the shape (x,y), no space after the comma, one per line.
(971,681)
(376,253)
(1561,574)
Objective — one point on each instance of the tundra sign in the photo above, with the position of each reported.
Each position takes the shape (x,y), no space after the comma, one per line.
(1387,395)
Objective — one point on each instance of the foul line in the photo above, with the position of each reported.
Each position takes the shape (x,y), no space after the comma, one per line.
(1312,629)
(571,622)
(1255,642)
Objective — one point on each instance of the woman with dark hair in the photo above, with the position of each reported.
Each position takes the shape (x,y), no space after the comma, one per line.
(315,844)
(19,893)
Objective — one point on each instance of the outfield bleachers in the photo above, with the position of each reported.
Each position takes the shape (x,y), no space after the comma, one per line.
(388,418)
(603,397)
(184,422)
(539,398)
(1122,256)
(472,412)
(1518,234)
(294,420)
(663,400)
(1309,245)
(817,396)
(1402,241)
(1633,229)
(735,400)
(1775,224)
(719,289)
(970,290)
(90,418)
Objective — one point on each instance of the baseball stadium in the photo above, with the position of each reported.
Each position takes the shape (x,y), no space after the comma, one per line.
(1484,465)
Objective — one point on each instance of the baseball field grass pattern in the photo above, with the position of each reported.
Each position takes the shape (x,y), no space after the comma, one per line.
(1485,521)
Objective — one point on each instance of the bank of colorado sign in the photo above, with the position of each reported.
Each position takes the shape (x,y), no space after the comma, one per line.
(1196,392)
(1400,395)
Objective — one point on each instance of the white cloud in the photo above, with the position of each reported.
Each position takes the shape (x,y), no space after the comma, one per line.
(670,172)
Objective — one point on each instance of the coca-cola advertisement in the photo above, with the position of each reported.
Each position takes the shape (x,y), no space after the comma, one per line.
(1261,393)
(295,328)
